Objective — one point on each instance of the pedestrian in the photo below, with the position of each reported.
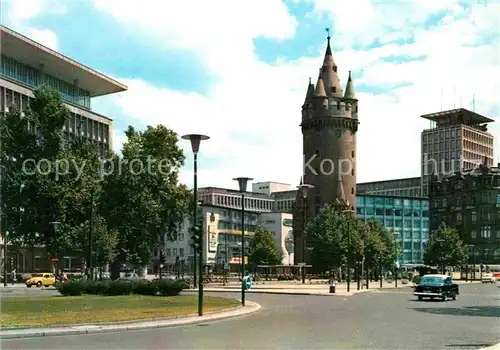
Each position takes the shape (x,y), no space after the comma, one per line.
(14,276)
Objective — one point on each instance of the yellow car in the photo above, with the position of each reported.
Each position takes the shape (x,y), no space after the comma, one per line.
(46,279)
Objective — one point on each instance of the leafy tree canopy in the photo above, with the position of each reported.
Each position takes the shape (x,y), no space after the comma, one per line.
(263,249)
(445,248)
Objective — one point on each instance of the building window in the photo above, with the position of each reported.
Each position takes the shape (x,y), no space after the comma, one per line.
(473,234)
(459,217)
(486,232)
(473,216)
(181,252)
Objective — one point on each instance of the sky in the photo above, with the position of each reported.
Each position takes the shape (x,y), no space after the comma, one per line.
(238,72)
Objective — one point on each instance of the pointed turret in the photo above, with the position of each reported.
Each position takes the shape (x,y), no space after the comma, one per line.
(320,89)
(310,92)
(329,73)
(349,90)
(341,201)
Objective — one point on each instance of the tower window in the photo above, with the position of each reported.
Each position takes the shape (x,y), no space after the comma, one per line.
(352,154)
(334,89)
(356,108)
(352,172)
(335,69)
(352,190)
(338,105)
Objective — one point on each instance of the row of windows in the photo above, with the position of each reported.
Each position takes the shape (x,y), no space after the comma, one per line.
(396,202)
(33,77)
(486,197)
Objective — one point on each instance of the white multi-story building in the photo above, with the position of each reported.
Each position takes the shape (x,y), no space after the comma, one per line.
(280,225)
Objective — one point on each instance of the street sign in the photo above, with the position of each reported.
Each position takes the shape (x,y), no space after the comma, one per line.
(247,282)
(55,260)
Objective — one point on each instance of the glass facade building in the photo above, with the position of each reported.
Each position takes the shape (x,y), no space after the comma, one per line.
(407,217)
(34,78)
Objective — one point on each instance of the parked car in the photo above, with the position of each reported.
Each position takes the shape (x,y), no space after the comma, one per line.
(488,278)
(46,279)
(436,286)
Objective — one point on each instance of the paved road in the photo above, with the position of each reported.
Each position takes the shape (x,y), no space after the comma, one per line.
(379,320)
(23,291)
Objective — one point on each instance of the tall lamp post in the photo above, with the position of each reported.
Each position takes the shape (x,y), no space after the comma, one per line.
(195,146)
(396,263)
(242,183)
(441,256)
(304,187)
(348,246)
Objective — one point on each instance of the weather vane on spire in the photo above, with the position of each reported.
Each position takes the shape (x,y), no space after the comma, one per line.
(327,31)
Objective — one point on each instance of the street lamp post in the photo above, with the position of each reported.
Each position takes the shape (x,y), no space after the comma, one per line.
(348,247)
(441,255)
(304,187)
(195,146)
(242,184)
(395,269)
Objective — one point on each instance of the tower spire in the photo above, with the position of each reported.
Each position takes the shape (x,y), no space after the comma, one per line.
(329,72)
(349,90)
(328,48)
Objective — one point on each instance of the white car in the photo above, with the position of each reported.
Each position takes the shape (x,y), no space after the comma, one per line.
(488,278)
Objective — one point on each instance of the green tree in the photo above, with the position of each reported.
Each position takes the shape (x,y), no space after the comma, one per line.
(263,250)
(50,178)
(143,196)
(327,236)
(30,193)
(445,248)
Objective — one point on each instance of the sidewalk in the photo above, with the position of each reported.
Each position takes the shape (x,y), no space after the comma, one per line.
(297,288)
(271,287)
(250,307)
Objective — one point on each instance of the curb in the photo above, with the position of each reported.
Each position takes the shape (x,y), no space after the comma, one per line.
(249,308)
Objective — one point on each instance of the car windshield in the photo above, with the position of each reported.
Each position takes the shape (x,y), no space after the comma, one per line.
(431,280)
(36,275)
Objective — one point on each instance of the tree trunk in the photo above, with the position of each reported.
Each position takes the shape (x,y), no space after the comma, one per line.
(115,268)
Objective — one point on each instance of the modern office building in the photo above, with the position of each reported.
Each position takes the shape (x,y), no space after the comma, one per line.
(405,187)
(406,217)
(26,65)
(470,202)
(458,139)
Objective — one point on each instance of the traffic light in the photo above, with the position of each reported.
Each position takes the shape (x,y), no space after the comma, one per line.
(196,238)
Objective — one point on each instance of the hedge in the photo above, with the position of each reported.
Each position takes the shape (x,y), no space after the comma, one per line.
(162,287)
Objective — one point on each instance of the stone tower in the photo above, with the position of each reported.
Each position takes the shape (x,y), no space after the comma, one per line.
(329,126)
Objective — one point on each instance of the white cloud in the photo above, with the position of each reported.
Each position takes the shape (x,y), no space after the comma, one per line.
(43,36)
(17,15)
(251,100)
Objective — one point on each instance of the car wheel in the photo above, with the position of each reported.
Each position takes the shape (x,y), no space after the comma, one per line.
(420,298)
(454,296)
(28,285)
(39,284)
(443,298)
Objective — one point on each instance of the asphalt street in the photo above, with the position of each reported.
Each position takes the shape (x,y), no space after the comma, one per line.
(389,319)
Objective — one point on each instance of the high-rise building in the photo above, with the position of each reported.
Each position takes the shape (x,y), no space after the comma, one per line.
(26,65)
(329,126)
(458,140)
